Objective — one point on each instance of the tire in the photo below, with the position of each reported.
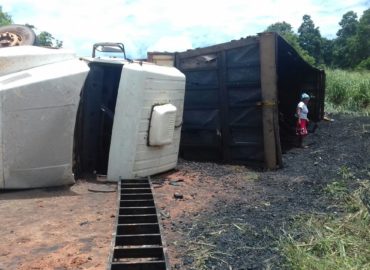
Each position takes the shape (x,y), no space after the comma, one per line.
(16,35)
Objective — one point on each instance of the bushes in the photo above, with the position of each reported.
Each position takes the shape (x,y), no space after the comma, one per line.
(348,90)
(364,64)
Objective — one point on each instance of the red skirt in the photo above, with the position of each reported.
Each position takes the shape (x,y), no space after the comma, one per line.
(301,129)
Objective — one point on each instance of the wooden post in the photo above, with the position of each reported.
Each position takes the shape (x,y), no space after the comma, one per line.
(269,98)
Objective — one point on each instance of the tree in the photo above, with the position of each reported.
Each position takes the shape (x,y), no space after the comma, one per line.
(282,28)
(286,31)
(362,39)
(5,18)
(349,25)
(46,39)
(345,43)
(310,38)
(327,51)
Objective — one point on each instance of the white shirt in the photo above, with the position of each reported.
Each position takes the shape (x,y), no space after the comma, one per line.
(303,110)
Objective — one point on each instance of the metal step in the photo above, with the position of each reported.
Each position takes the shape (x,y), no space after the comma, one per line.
(137,219)
(137,210)
(138,203)
(137,244)
(142,196)
(137,185)
(135,190)
(138,239)
(138,252)
(156,265)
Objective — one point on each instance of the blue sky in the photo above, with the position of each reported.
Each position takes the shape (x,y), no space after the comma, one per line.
(171,25)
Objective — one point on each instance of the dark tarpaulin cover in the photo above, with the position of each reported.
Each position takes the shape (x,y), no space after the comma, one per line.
(222,113)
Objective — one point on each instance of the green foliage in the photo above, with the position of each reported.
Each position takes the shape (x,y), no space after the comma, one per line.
(310,38)
(345,173)
(349,25)
(282,28)
(344,45)
(351,48)
(46,39)
(286,31)
(327,50)
(364,64)
(5,18)
(336,189)
(348,91)
(332,242)
(362,40)
(292,39)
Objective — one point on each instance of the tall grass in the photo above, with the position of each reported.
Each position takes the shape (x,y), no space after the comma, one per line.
(348,91)
(334,242)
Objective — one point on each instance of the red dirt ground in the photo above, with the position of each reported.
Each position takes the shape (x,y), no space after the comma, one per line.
(58,228)
(199,194)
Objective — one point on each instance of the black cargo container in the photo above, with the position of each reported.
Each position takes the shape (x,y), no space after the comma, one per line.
(241,97)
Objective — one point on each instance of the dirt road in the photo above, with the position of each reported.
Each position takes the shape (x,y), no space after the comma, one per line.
(230,217)
(56,228)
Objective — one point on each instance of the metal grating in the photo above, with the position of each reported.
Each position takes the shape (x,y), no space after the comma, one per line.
(137,243)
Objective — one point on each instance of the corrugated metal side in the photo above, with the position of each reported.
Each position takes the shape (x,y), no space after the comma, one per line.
(222,112)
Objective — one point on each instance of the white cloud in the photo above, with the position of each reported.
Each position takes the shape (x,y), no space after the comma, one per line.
(171,44)
(170,24)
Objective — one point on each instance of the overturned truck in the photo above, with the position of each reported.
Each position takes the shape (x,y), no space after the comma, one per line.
(124,123)
(241,98)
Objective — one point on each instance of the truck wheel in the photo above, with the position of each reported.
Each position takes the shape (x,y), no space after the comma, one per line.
(16,35)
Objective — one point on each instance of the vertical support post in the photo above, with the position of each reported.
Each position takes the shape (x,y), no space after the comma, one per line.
(2,177)
(322,93)
(269,99)
(225,125)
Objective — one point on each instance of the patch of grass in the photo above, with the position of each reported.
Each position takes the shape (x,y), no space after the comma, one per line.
(203,249)
(332,241)
(345,173)
(215,247)
(251,176)
(336,189)
(245,173)
(347,91)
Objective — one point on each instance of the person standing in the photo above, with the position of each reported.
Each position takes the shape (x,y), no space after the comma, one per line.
(302,122)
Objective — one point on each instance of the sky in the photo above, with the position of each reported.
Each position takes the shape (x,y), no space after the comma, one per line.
(171,25)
